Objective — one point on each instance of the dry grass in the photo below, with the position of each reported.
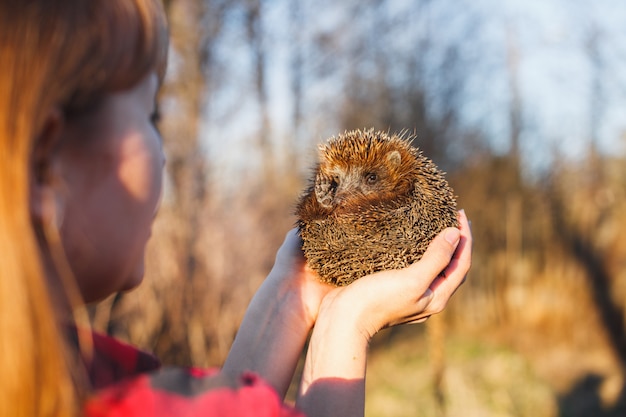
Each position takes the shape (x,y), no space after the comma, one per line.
(480,379)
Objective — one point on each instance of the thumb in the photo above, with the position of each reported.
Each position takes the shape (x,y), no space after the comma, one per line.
(439,252)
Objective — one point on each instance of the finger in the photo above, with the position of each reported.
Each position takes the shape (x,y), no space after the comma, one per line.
(462,258)
(292,245)
(419,308)
(418,321)
(466,234)
(454,274)
(293,237)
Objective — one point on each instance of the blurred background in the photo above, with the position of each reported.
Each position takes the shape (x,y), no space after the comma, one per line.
(521,102)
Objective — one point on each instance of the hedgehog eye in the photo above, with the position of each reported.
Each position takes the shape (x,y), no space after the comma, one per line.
(371,177)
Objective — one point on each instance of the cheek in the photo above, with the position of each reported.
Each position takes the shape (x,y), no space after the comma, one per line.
(110,218)
(141,168)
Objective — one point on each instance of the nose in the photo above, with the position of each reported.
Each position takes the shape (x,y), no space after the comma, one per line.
(163,157)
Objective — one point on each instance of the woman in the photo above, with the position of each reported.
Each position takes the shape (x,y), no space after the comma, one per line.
(80,183)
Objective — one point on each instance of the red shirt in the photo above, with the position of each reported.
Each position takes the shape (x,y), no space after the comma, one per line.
(126,386)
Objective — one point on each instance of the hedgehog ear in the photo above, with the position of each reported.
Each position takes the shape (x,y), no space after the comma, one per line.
(394,158)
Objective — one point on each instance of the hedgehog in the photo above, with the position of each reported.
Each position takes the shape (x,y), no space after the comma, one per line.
(374,202)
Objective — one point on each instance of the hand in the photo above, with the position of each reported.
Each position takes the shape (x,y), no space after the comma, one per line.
(333,379)
(411,294)
(293,276)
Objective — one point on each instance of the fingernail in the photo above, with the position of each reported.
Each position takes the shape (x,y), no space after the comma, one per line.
(452,236)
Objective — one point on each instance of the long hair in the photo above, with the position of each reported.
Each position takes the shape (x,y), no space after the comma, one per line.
(66,54)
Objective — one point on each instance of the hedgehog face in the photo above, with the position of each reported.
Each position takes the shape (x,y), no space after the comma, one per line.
(351,185)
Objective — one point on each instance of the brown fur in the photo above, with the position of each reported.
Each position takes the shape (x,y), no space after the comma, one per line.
(374,203)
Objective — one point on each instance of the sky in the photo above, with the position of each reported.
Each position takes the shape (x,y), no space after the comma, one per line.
(555,74)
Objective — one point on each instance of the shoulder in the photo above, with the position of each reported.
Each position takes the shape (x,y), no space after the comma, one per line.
(188,392)
(108,360)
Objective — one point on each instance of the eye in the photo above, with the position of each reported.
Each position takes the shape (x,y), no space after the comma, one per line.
(371,177)
(155,117)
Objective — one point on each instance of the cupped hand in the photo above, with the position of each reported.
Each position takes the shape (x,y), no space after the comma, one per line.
(293,276)
(410,294)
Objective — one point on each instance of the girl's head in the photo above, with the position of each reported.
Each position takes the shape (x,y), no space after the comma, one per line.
(80,170)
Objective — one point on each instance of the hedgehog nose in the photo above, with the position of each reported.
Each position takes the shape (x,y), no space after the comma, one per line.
(340,197)
(343,194)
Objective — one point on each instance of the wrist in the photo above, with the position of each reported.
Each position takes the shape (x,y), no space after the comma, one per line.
(337,348)
(272,334)
(340,313)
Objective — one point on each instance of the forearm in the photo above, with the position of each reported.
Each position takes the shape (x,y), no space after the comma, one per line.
(272,335)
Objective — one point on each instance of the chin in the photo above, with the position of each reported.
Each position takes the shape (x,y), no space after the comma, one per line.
(135,279)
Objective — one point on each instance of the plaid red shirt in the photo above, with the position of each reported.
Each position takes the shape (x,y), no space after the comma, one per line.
(126,385)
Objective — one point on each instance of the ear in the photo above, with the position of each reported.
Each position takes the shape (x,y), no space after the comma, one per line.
(394,158)
(45,193)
